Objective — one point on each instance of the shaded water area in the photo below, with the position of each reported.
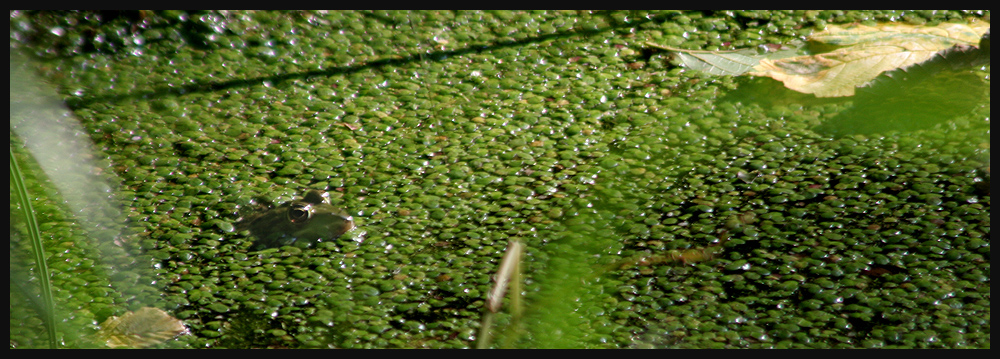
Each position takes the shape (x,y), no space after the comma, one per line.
(659,207)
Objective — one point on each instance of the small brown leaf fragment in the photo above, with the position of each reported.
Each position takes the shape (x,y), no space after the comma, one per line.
(143,328)
(635,65)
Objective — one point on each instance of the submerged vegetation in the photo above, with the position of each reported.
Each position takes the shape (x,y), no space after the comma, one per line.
(655,209)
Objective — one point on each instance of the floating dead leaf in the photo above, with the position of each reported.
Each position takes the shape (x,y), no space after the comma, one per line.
(722,63)
(725,63)
(850,57)
(142,328)
(863,53)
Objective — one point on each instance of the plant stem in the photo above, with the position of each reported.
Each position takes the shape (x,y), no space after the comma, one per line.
(48,313)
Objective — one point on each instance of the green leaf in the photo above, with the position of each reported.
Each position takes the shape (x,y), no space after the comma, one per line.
(27,210)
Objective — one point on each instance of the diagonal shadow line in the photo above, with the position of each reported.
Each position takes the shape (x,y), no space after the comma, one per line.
(197,87)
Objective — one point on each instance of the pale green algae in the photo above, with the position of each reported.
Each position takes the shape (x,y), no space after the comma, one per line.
(448,133)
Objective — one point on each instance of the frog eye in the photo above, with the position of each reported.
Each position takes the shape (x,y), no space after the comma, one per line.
(299,213)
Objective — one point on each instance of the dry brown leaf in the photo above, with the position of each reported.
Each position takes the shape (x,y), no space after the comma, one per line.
(868,52)
(142,328)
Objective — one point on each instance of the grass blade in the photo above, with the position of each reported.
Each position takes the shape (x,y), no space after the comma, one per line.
(17,180)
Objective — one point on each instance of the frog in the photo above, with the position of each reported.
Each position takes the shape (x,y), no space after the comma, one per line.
(301,223)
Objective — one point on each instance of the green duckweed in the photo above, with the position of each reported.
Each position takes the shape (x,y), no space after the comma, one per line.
(446,134)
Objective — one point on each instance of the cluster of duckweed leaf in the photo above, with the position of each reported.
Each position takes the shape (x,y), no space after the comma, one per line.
(445,134)
(851,242)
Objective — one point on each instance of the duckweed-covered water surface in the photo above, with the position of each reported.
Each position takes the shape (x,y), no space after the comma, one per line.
(657,209)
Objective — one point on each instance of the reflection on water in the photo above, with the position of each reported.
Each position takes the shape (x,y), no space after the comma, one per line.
(58,142)
(949,86)
(917,98)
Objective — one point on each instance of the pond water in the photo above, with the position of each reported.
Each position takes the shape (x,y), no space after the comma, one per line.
(659,207)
